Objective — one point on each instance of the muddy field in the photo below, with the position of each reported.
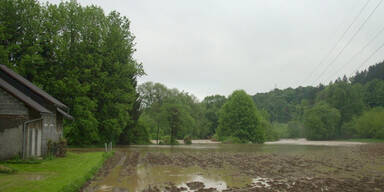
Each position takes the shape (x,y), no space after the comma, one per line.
(243,168)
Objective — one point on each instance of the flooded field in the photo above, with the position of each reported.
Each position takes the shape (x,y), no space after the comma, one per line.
(247,167)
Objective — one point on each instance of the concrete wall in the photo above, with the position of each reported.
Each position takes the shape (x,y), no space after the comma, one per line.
(11,135)
(50,130)
(9,105)
(12,115)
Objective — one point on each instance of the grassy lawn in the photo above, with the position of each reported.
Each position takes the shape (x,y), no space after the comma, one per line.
(366,140)
(59,174)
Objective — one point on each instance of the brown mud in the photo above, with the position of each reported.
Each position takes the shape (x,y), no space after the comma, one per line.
(354,168)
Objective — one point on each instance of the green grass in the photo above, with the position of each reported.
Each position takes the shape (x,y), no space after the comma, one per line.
(366,140)
(60,174)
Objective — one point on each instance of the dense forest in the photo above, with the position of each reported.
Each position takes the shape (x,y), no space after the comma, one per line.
(346,108)
(84,57)
(81,56)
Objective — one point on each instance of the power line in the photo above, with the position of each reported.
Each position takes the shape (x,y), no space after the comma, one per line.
(357,53)
(349,42)
(338,41)
(370,56)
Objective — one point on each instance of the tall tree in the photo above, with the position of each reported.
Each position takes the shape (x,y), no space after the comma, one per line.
(79,55)
(321,122)
(239,118)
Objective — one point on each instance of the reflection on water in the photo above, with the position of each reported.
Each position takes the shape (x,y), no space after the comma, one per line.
(145,175)
(280,148)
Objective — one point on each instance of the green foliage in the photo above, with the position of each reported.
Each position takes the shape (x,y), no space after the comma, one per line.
(211,106)
(79,55)
(187,140)
(346,98)
(215,137)
(321,122)
(168,140)
(374,72)
(285,105)
(280,129)
(370,124)
(295,129)
(240,119)
(350,97)
(374,93)
(6,170)
(271,134)
(233,140)
(138,134)
(24,161)
(171,112)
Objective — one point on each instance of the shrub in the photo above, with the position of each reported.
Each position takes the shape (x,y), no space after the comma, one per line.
(321,122)
(240,118)
(166,140)
(188,140)
(280,129)
(6,170)
(215,137)
(295,129)
(24,161)
(370,124)
(57,149)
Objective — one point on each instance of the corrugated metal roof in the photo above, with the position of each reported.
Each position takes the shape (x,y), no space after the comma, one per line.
(31,86)
(22,97)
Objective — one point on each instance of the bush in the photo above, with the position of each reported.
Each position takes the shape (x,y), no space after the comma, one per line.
(57,149)
(6,170)
(166,140)
(280,129)
(370,124)
(321,122)
(188,140)
(136,134)
(215,137)
(240,118)
(24,161)
(271,134)
(295,129)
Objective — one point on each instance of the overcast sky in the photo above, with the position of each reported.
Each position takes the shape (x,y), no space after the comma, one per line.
(208,47)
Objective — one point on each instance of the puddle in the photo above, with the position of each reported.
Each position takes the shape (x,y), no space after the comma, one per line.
(261,182)
(164,176)
(173,168)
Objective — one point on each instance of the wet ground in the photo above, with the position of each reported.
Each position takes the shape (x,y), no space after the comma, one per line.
(247,167)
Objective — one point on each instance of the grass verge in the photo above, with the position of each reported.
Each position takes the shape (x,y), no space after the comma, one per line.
(58,175)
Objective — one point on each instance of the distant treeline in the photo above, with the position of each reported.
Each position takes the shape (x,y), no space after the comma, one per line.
(81,56)
(345,108)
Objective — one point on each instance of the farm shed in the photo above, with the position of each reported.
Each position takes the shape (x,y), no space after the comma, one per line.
(29,117)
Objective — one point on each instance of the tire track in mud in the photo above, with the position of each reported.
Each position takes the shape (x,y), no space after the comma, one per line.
(105,170)
(351,169)
(344,170)
(129,165)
